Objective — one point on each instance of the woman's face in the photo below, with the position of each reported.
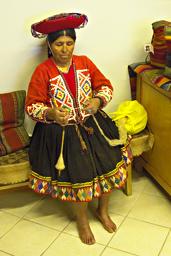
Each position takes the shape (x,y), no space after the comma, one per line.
(62,49)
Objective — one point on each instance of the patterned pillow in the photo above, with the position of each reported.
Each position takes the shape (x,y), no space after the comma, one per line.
(161,42)
(13,135)
(158,57)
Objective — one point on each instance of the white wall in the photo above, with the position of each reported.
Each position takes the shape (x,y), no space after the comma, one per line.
(113,38)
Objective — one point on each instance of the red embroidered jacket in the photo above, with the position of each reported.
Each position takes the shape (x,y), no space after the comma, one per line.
(48,87)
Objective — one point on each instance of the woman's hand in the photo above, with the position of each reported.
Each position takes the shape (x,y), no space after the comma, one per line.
(58,115)
(92,105)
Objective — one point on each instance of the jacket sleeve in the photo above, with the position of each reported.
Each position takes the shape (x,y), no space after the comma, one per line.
(101,86)
(37,100)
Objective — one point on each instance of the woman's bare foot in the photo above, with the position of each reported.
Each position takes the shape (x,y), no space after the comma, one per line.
(85,232)
(106,221)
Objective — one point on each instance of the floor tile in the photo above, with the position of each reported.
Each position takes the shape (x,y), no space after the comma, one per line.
(140,238)
(27,238)
(51,212)
(70,245)
(139,181)
(166,250)
(44,217)
(18,202)
(113,252)
(7,221)
(100,234)
(153,188)
(153,209)
(121,203)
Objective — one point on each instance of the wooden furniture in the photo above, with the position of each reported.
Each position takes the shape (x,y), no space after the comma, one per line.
(157,102)
(140,142)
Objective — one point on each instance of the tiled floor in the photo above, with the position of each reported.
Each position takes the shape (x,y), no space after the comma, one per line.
(33,225)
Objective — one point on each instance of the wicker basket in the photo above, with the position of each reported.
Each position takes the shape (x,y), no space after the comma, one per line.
(14,167)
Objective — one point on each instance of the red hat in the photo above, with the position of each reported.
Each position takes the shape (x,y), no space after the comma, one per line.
(58,22)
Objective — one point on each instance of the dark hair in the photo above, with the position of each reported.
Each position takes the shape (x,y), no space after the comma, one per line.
(54,35)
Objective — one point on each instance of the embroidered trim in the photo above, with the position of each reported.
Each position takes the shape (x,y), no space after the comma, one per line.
(38,112)
(83,192)
(105,93)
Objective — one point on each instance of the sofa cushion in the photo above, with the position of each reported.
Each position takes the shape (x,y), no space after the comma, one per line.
(13,135)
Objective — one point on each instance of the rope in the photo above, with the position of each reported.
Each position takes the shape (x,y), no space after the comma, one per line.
(114,142)
(83,144)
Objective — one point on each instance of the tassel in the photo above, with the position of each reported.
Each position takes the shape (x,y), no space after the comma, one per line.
(60,165)
(114,142)
(90,130)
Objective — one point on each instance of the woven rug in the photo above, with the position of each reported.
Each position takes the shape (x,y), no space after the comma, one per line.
(14,167)
(155,76)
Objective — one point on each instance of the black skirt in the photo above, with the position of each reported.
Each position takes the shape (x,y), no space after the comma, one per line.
(92,166)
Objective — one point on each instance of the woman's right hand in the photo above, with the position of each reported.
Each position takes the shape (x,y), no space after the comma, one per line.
(59,115)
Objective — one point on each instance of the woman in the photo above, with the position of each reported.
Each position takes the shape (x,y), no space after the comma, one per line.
(73,153)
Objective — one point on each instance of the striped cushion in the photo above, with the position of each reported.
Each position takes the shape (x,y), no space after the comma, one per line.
(167,71)
(158,59)
(13,135)
(154,74)
(161,42)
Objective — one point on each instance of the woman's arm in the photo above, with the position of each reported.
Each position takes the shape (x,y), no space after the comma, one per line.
(37,100)
(38,105)
(101,86)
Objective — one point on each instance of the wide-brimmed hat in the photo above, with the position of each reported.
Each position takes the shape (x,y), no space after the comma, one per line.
(58,22)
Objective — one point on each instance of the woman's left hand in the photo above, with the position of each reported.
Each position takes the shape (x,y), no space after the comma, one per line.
(92,105)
